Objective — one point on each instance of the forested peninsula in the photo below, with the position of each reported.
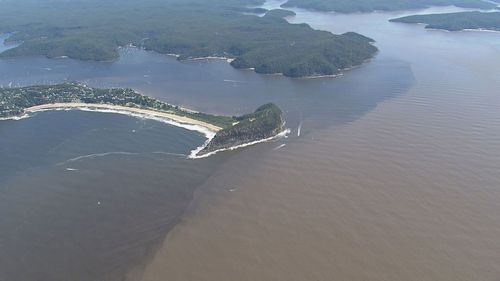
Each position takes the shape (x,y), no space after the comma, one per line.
(456,21)
(227,131)
(95,29)
(351,6)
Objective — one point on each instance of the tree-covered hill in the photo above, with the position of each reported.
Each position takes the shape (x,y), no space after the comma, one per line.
(352,6)
(94,29)
(266,122)
(456,21)
(280,13)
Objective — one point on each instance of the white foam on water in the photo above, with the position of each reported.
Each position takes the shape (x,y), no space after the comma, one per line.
(15,118)
(192,127)
(194,153)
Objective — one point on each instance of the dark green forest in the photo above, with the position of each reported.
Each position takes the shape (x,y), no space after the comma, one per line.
(456,21)
(13,101)
(352,6)
(265,122)
(94,30)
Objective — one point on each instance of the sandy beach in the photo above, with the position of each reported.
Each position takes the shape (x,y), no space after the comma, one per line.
(209,130)
(200,126)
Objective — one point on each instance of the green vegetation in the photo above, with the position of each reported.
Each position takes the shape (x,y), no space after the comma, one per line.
(280,13)
(456,21)
(257,11)
(13,101)
(94,29)
(304,58)
(264,123)
(352,6)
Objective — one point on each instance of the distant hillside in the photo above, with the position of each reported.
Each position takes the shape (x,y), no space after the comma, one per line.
(456,21)
(94,29)
(352,6)
(280,13)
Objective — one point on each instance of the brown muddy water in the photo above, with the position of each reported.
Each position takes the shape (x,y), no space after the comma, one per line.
(391,171)
(408,191)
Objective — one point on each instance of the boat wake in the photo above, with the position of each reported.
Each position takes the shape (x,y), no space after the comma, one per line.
(96,155)
(279,147)
(169,153)
(234,81)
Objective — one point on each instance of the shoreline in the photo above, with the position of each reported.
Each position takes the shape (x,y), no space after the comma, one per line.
(208,130)
(183,121)
(194,153)
(480,30)
(229,60)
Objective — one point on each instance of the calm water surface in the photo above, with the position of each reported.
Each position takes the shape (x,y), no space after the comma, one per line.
(393,176)
(409,190)
(96,193)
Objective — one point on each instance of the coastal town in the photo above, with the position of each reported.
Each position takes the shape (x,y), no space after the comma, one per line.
(223,132)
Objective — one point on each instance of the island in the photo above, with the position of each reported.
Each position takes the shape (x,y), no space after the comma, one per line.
(365,6)
(96,30)
(222,132)
(456,21)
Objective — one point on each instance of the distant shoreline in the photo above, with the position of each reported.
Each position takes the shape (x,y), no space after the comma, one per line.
(471,21)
